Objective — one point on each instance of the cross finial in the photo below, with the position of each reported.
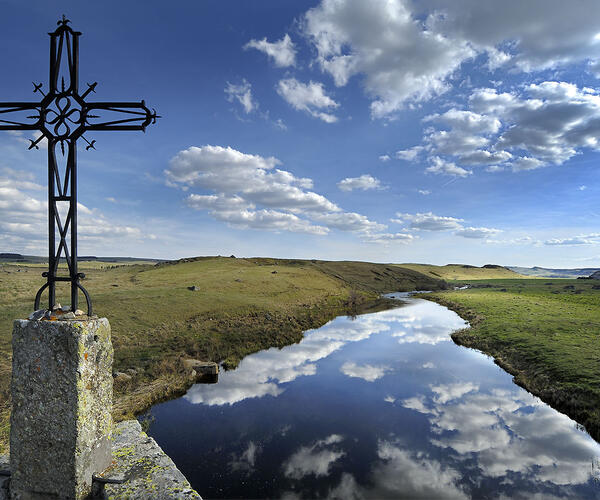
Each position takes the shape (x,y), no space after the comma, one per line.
(64,21)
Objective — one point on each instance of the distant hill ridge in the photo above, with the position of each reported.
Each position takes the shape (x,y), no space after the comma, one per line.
(9,257)
(461,272)
(545,272)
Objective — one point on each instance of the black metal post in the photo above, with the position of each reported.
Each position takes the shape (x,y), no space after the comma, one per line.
(73,207)
(51,228)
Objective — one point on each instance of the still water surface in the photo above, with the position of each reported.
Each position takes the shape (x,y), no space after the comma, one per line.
(381,406)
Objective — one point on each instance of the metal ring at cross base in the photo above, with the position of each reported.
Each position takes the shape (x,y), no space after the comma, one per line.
(87,298)
(38,296)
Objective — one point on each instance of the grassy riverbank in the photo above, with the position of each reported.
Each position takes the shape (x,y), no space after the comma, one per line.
(545,332)
(239,306)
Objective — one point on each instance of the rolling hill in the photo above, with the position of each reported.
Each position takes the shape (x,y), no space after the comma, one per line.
(461,272)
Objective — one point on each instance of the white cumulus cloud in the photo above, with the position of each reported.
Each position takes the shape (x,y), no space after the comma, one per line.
(282,52)
(386,238)
(407,52)
(477,232)
(363,183)
(410,154)
(441,166)
(532,127)
(248,191)
(309,97)
(241,93)
(347,221)
(585,239)
(382,40)
(429,221)
(24,212)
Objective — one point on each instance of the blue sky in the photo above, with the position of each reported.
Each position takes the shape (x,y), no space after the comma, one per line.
(389,130)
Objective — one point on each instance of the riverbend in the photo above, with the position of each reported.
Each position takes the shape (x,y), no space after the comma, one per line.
(382,405)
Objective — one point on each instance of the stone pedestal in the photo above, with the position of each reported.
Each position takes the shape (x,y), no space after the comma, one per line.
(62,401)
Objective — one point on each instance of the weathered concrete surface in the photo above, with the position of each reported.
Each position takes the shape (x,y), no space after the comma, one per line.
(62,399)
(146,470)
(4,478)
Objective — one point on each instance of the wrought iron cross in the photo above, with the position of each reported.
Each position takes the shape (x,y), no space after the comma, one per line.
(62,117)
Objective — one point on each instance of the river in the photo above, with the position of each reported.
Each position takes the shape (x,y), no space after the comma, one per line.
(383,405)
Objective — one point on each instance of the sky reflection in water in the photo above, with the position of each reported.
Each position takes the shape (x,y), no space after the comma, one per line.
(382,406)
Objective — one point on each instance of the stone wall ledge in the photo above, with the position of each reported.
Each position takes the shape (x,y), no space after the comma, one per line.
(140,469)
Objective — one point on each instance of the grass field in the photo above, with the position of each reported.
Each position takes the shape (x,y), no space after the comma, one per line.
(240,306)
(463,271)
(546,332)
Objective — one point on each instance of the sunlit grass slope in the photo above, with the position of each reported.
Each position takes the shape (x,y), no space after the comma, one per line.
(150,307)
(463,272)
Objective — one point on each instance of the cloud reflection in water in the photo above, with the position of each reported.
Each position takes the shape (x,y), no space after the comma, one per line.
(262,374)
(507,431)
(387,408)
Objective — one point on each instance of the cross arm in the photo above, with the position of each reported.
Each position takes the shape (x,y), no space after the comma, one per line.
(8,122)
(118,116)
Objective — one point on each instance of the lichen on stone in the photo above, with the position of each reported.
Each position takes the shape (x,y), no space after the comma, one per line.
(149,472)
